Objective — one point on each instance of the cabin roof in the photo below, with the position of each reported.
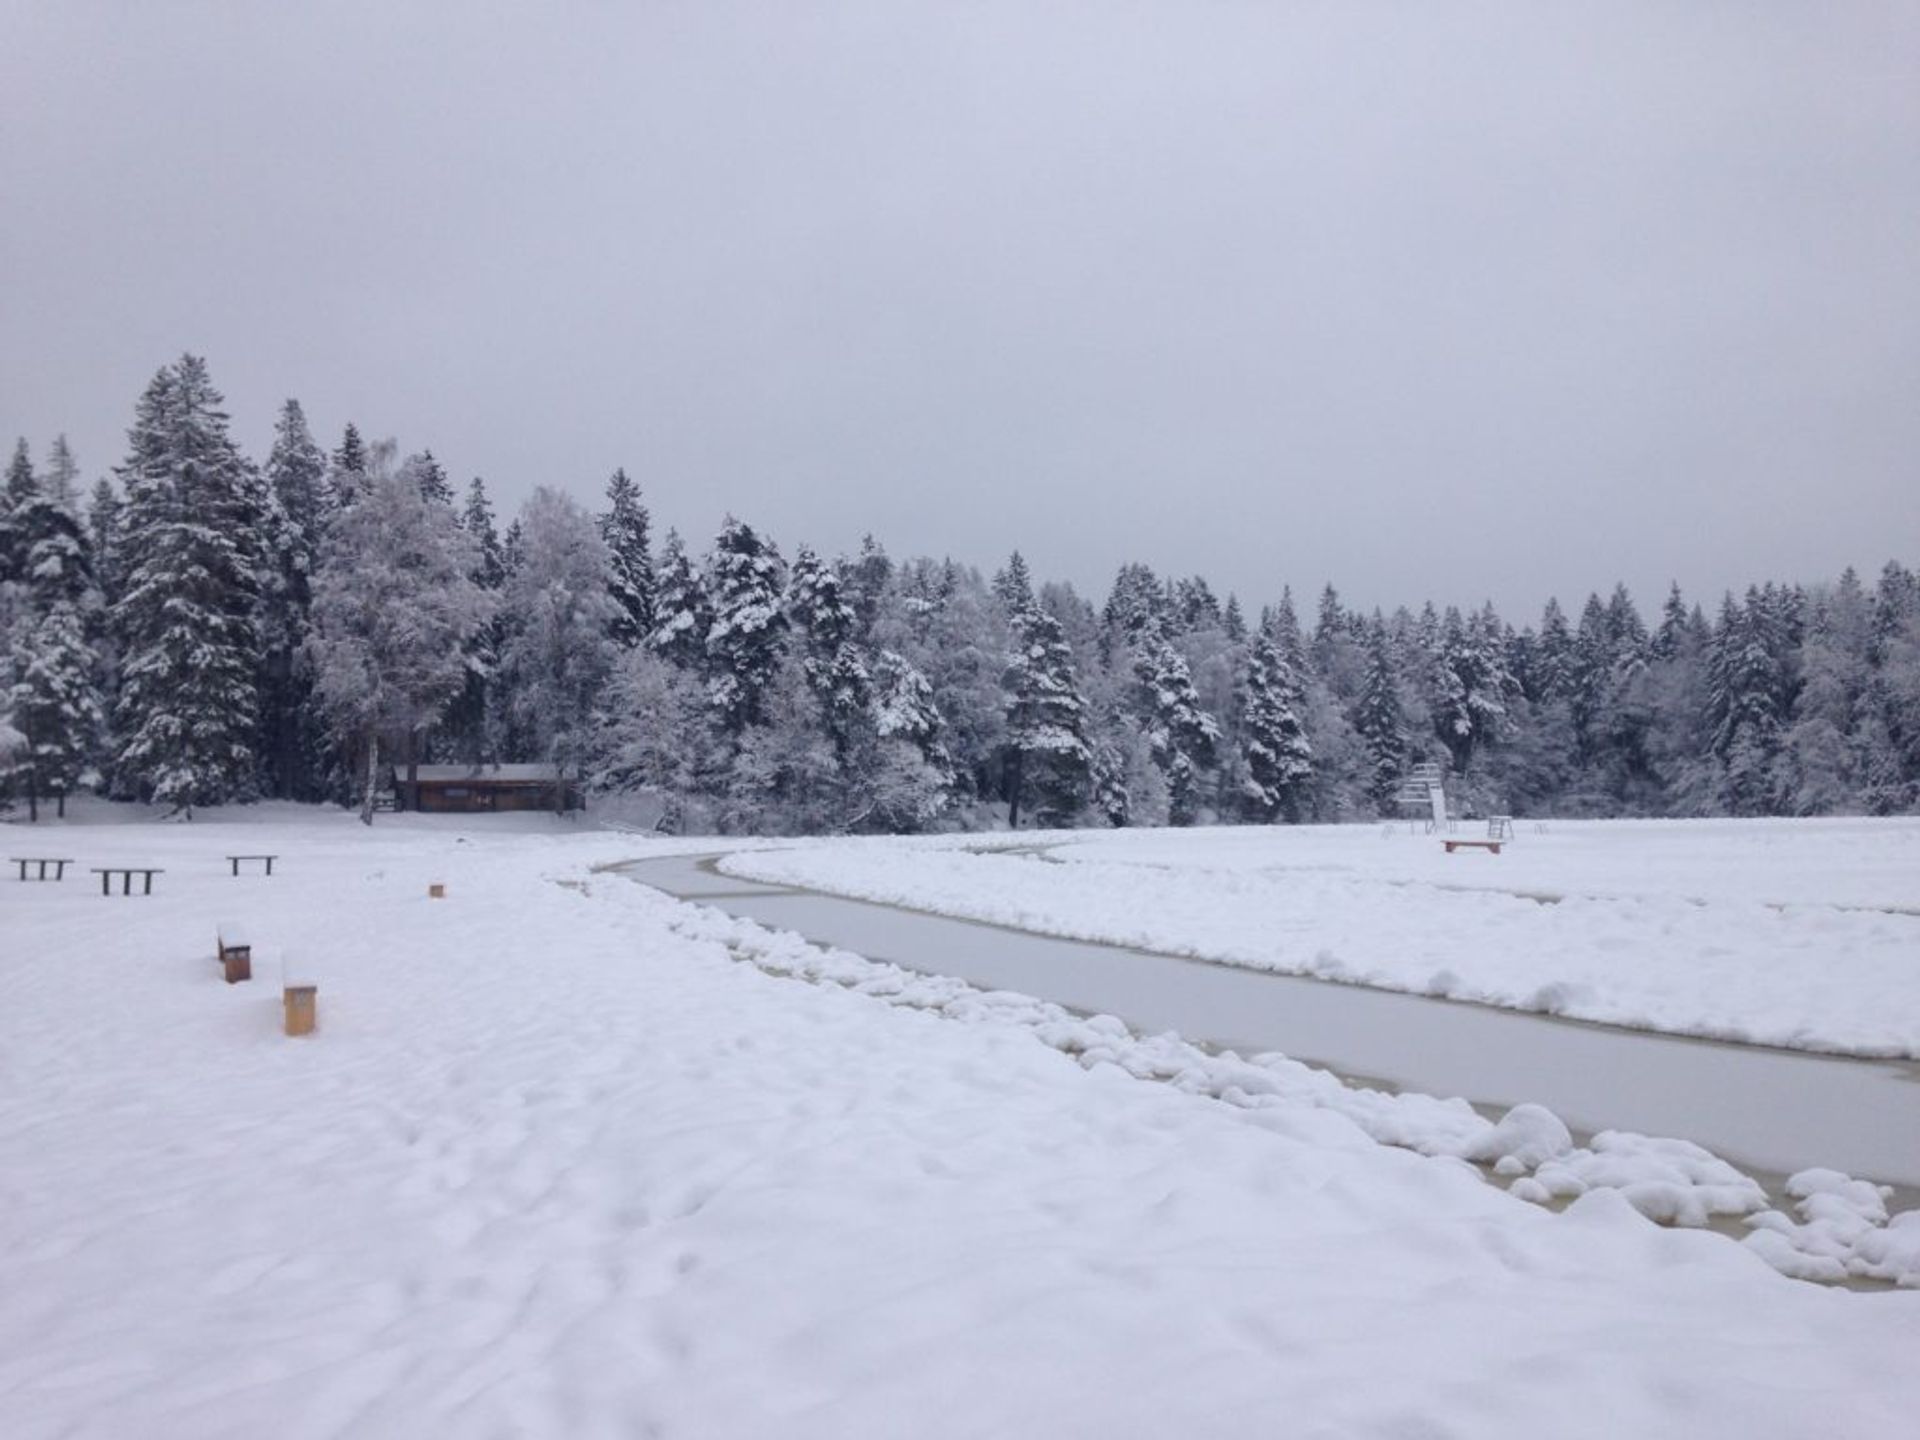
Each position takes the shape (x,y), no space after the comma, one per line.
(530,774)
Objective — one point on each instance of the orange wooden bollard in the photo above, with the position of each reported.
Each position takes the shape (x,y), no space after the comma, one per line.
(302,1002)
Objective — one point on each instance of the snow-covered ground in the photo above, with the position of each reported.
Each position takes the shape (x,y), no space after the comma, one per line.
(1803,934)
(557,1162)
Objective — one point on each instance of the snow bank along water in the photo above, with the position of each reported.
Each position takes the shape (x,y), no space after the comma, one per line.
(1669,1180)
(555,1164)
(1753,932)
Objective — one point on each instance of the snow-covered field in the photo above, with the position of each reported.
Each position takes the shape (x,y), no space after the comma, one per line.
(1803,934)
(557,1162)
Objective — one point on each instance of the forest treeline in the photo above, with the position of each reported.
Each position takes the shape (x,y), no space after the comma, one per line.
(201,628)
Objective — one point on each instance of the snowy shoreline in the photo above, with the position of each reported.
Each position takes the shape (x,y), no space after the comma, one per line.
(1738,965)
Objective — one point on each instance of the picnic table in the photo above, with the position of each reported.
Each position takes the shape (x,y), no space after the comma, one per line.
(234,861)
(59,866)
(126,874)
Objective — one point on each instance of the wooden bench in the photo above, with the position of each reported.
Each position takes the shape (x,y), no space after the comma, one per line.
(1493,845)
(126,874)
(40,873)
(267,860)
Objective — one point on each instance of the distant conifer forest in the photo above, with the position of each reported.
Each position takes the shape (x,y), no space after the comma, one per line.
(206,628)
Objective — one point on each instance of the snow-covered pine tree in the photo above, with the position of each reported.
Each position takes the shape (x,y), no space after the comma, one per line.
(1132,606)
(54,553)
(1279,761)
(347,471)
(1377,718)
(865,580)
(103,539)
(747,636)
(16,492)
(293,737)
(394,610)
(1183,735)
(1232,622)
(682,615)
(430,476)
(466,725)
(55,706)
(826,626)
(1046,740)
(187,713)
(63,474)
(624,529)
(1743,709)
(558,651)
(1013,585)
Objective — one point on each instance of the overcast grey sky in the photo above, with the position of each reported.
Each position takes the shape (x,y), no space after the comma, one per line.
(1445,301)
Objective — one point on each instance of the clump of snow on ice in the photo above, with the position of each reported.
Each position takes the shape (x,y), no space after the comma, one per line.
(1526,1136)
(1843,1230)
(1672,1182)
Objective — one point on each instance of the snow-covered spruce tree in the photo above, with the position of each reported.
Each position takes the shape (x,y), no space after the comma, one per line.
(1377,718)
(1743,714)
(347,470)
(1133,605)
(624,529)
(1046,739)
(897,777)
(1013,585)
(103,539)
(1183,735)
(292,735)
(865,580)
(429,476)
(464,729)
(558,651)
(1825,753)
(394,609)
(50,538)
(825,625)
(16,491)
(63,474)
(1279,761)
(682,615)
(1470,684)
(186,718)
(747,636)
(55,706)
(940,618)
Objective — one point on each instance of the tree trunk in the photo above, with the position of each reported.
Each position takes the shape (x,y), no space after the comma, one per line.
(62,803)
(1013,786)
(373,777)
(413,767)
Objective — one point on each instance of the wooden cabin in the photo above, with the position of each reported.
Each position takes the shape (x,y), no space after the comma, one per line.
(480,789)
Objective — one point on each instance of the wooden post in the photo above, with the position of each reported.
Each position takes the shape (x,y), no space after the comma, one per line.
(301,1002)
(436,891)
(236,962)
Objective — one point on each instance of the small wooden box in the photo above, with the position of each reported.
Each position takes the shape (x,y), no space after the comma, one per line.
(237,962)
(302,1002)
(436,891)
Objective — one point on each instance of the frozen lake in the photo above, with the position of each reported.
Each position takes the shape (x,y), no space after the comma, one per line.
(1769,1109)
